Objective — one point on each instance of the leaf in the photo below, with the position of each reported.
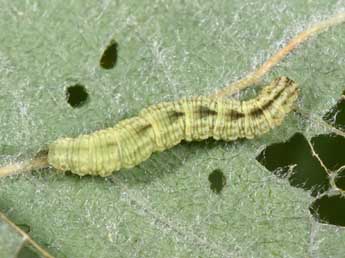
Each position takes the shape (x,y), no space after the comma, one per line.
(167,50)
(10,241)
(15,242)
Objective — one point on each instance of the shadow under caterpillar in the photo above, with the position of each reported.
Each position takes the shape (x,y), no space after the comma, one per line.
(164,125)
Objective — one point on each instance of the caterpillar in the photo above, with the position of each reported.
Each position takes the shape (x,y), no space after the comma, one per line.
(166,124)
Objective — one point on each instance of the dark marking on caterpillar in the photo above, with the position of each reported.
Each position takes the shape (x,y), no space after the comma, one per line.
(233,114)
(259,110)
(256,112)
(164,125)
(271,101)
(175,114)
(144,128)
(205,111)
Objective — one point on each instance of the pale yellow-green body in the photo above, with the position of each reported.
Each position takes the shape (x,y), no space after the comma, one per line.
(164,125)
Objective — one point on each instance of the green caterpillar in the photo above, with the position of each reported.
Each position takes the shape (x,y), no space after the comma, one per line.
(164,125)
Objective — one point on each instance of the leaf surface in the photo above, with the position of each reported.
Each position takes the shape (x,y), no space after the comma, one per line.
(166,50)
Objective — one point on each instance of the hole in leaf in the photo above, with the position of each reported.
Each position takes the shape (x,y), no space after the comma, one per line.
(331,150)
(109,57)
(329,209)
(336,116)
(293,159)
(339,179)
(217,180)
(76,95)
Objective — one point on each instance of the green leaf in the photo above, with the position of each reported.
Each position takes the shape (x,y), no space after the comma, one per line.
(166,50)
(10,241)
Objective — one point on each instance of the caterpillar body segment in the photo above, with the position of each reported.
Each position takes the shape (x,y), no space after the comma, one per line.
(166,122)
(164,125)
